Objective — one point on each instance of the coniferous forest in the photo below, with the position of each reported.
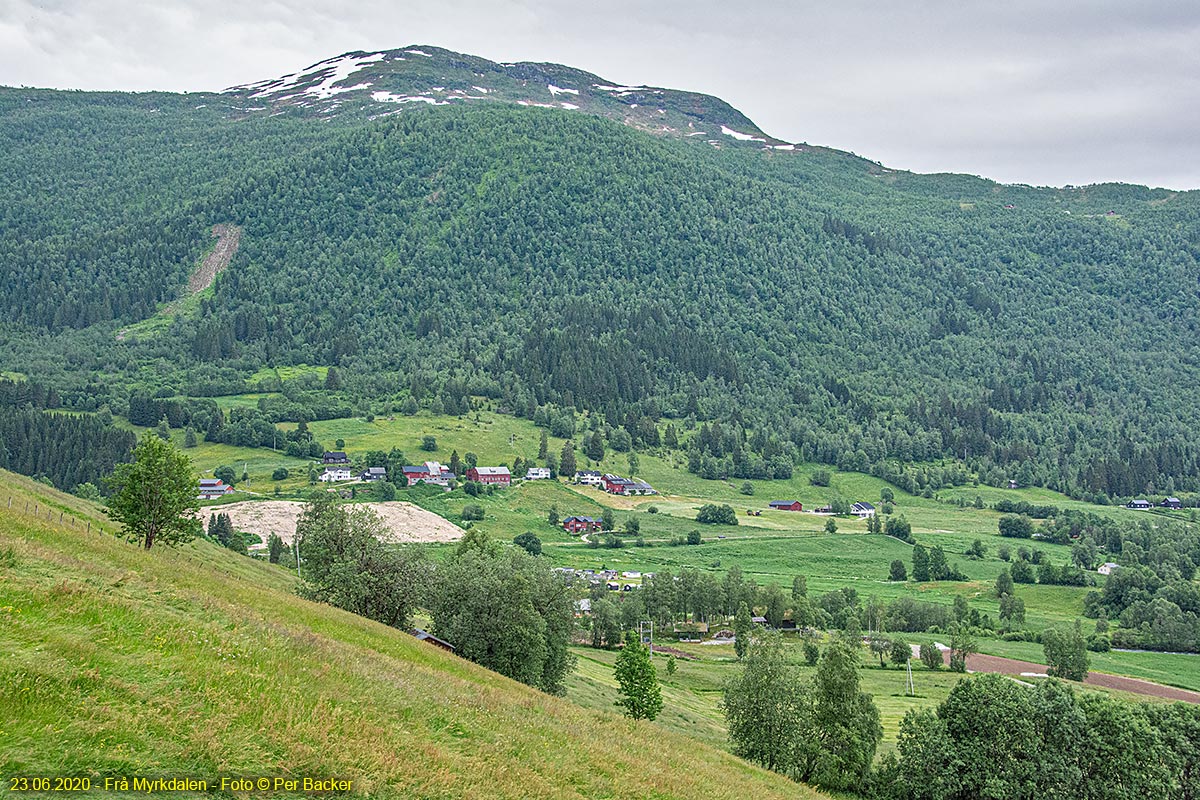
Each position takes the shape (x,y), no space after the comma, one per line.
(798,306)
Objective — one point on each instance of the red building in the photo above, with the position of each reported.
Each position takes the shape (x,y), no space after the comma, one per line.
(496,476)
(786,505)
(582,524)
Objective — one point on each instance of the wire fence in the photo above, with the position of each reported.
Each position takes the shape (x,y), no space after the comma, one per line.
(41,511)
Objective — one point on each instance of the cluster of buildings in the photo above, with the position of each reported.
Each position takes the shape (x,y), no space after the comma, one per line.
(611,579)
(613,484)
(1172,503)
(861,510)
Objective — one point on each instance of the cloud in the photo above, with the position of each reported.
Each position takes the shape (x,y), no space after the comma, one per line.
(1022,91)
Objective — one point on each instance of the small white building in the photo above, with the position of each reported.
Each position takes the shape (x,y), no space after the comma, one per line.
(537,474)
(1107,568)
(332,474)
(589,477)
(862,510)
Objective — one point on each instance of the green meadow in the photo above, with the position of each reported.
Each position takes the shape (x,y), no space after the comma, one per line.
(771,548)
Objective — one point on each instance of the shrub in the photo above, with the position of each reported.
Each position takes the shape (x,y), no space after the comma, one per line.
(472,511)
(280,474)
(711,513)
(820,477)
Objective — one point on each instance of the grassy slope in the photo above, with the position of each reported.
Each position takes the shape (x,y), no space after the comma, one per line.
(200,662)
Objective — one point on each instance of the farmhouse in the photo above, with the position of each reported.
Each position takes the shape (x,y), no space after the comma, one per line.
(212,488)
(1107,568)
(425,636)
(431,472)
(862,510)
(1140,505)
(1172,503)
(786,505)
(615,484)
(589,477)
(335,457)
(335,474)
(537,474)
(582,524)
(496,476)
(373,474)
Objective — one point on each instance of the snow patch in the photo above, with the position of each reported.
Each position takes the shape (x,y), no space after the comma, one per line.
(569,106)
(388,97)
(741,137)
(557,90)
(335,70)
(481,90)
(784,147)
(416,52)
(623,89)
(539,105)
(698,133)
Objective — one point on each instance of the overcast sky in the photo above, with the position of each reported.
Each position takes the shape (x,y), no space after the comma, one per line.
(1047,92)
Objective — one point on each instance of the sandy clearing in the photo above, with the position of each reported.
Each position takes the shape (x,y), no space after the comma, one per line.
(405,521)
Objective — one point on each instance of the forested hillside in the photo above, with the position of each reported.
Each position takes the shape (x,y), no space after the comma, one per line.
(796,305)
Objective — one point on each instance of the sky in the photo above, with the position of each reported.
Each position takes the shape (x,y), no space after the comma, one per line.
(1021,91)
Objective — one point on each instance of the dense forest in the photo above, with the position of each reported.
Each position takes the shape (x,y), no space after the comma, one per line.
(771,306)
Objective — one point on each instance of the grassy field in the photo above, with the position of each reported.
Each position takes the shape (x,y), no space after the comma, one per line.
(771,548)
(692,695)
(200,662)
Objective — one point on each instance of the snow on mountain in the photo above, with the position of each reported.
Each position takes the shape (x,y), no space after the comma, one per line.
(360,82)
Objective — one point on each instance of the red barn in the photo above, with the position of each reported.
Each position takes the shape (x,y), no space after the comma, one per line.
(496,476)
(786,505)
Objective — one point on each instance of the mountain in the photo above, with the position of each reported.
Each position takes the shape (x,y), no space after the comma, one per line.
(773,306)
(201,663)
(382,83)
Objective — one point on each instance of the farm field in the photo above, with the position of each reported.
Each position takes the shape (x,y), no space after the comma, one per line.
(771,548)
(692,695)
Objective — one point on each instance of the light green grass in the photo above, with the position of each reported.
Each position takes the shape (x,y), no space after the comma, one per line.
(200,662)
(770,548)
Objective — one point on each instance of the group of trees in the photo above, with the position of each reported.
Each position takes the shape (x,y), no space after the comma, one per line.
(68,449)
(995,738)
(824,731)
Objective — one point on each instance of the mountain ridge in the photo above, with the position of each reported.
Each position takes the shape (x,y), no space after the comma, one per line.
(381,82)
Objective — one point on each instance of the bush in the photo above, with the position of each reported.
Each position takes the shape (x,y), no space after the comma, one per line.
(747,488)
(429,443)
(820,477)
(712,514)
(613,541)
(472,511)
(693,537)
(529,542)
(280,474)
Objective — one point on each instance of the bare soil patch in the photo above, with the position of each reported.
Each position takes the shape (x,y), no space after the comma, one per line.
(405,521)
(1009,666)
(228,239)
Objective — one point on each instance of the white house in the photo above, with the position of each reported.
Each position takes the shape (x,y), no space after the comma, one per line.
(537,474)
(335,474)
(589,477)
(862,510)
(1107,568)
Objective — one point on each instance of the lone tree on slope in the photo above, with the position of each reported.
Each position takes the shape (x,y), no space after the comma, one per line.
(154,497)
(640,695)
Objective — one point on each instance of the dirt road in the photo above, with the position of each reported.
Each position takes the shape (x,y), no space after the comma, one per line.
(1008,666)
